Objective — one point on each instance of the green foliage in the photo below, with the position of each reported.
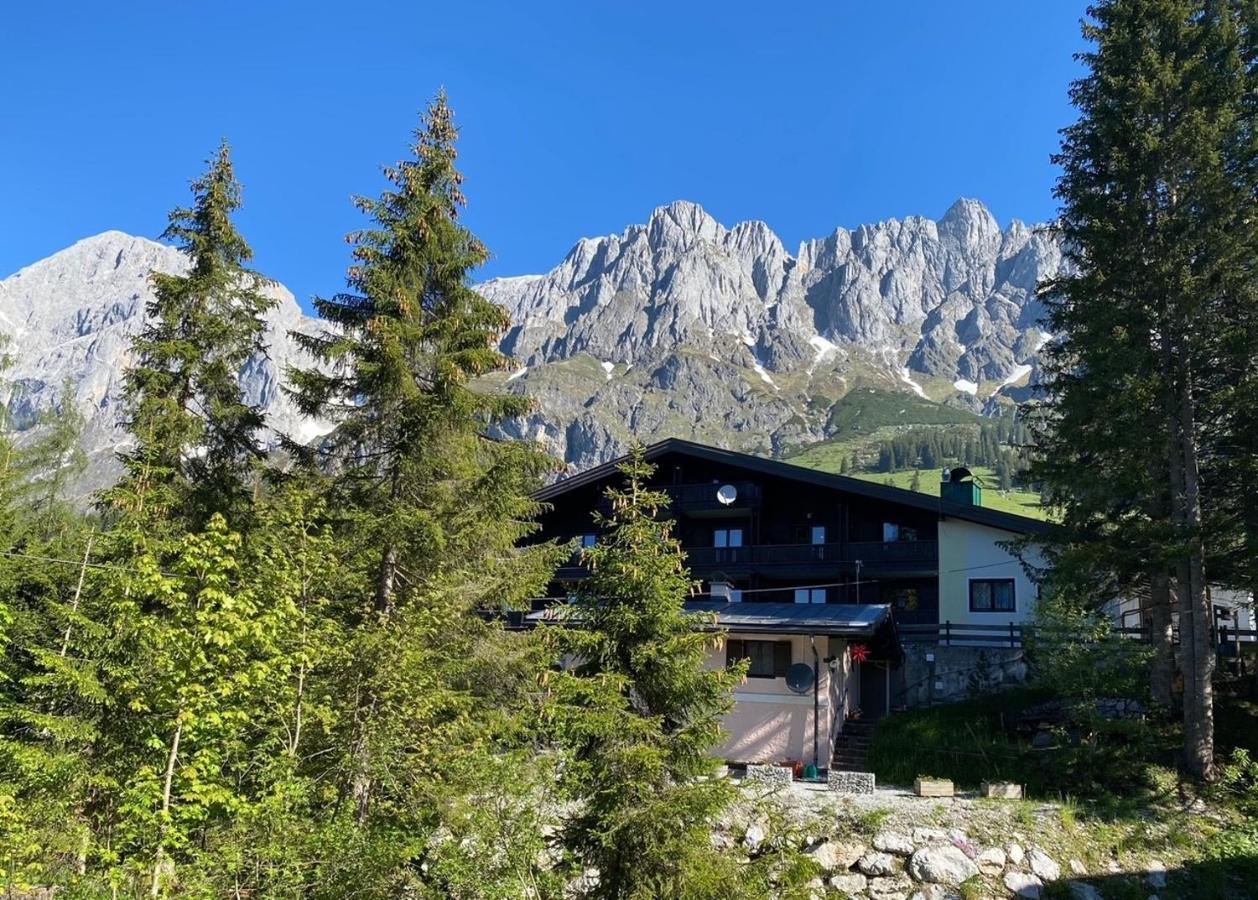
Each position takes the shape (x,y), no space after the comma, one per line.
(639,711)
(1077,654)
(196,436)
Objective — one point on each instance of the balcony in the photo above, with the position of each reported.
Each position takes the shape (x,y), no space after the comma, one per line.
(785,560)
(701,499)
(874,556)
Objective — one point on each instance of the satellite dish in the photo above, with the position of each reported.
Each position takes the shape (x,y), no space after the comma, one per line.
(799,678)
(726,494)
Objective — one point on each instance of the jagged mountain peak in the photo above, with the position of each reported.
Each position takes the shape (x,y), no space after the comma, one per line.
(71,317)
(943,308)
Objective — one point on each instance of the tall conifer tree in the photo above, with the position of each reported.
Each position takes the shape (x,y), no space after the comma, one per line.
(1158,197)
(435,507)
(196,434)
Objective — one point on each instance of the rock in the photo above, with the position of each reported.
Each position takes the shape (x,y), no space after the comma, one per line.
(893,842)
(1043,865)
(1014,851)
(1077,867)
(936,892)
(897,887)
(837,856)
(71,317)
(1081,890)
(694,307)
(875,864)
(849,882)
(1021,884)
(929,835)
(1155,876)
(941,865)
(991,861)
(754,836)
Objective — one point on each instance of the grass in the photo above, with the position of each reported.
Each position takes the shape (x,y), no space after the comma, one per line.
(1022,503)
(1121,803)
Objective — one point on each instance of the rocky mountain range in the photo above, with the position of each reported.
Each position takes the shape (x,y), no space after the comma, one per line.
(685,327)
(680,326)
(69,320)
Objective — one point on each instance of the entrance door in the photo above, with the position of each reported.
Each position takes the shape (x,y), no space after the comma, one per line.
(873,691)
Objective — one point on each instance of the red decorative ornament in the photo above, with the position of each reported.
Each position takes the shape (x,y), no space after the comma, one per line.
(859,653)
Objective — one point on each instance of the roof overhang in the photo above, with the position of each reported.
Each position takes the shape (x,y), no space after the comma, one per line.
(990,517)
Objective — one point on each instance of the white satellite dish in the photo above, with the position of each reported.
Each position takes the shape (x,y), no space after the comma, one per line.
(726,494)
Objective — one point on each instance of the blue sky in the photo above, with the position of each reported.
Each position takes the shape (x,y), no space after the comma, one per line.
(577,118)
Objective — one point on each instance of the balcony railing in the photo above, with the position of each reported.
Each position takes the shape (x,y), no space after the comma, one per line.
(867,552)
(704,496)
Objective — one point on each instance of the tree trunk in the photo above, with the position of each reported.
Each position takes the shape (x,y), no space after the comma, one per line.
(385,580)
(1196,620)
(159,856)
(78,593)
(1162,669)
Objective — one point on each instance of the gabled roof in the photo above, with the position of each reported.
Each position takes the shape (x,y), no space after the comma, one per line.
(978,514)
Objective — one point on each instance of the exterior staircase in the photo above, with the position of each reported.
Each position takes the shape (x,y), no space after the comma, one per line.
(851,747)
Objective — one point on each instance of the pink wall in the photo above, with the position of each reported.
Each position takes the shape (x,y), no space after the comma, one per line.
(771,723)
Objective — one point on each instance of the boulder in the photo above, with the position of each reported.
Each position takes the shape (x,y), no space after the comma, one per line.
(991,861)
(936,892)
(941,865)
(849,883)
(894,842)
(1014,851)
(1021,884)
(837,856)
(876,864)
(1077,867)
(754,836)
(929,835)
(1043,865)
(896,887)
(1156,877)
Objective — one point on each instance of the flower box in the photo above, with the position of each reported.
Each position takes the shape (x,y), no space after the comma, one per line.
(1001,790)
(933,787)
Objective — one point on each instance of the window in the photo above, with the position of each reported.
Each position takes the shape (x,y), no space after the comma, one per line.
(767,659)
(727,537)
(588,540)
(810,595)
(992,595)
(890,532)
(902,599)
(818,534)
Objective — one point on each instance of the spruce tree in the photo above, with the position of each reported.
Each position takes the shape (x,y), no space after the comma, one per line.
(196,435)
(431,507)
(641,711)
(1157,192)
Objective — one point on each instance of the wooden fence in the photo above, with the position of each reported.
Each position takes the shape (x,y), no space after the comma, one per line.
(1013,635)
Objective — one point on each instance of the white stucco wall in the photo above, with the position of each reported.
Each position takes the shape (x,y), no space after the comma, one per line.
(969,551)
(770,723)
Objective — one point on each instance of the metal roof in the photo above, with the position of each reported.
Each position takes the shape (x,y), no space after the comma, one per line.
(981,515)
(854,619)
(851,619)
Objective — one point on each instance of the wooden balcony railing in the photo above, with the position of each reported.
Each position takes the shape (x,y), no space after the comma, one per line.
(868,553)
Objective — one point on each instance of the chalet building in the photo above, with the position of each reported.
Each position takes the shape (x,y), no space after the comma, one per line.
(815,577)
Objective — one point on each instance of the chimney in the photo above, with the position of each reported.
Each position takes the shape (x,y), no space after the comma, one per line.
(959,486)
